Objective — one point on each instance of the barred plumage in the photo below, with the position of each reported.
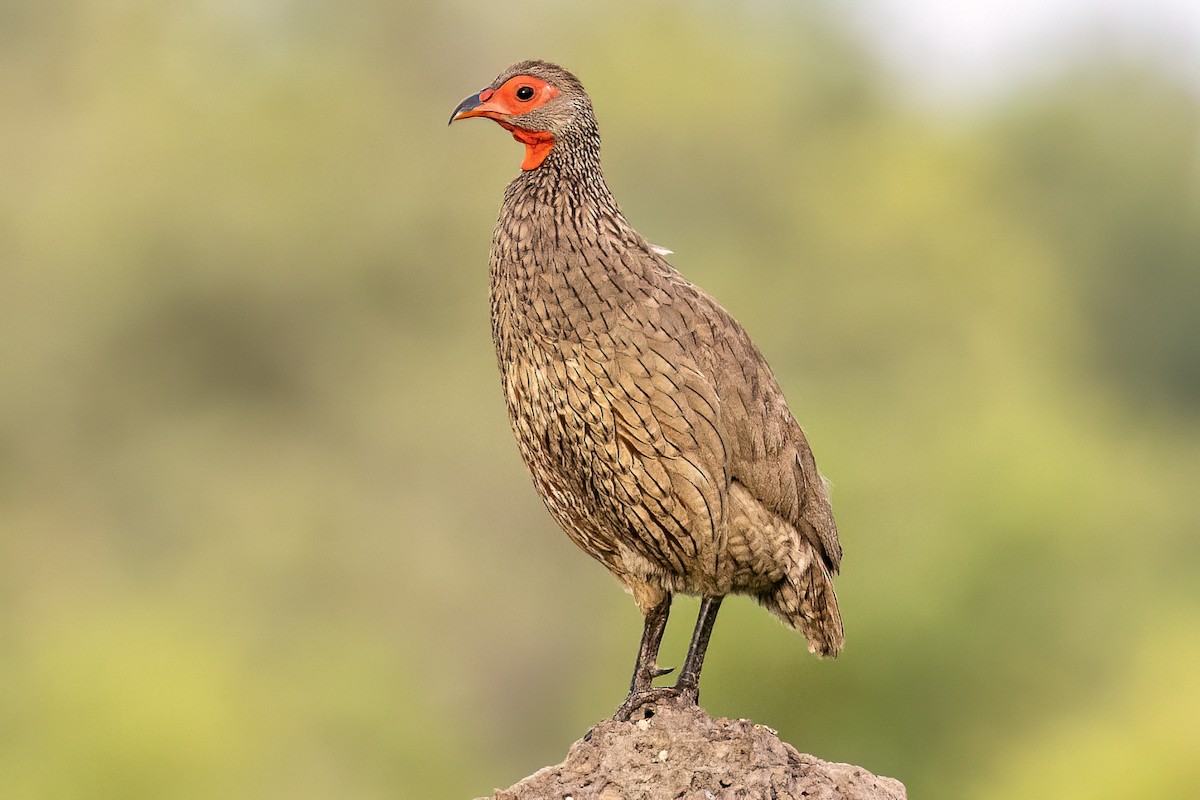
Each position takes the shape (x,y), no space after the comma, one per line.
(654,429)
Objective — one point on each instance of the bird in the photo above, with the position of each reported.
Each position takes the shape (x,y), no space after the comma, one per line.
(654,429)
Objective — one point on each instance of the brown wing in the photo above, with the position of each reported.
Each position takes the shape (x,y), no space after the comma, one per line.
(768,452)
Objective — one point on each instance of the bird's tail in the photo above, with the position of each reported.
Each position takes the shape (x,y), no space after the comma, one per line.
(805,600)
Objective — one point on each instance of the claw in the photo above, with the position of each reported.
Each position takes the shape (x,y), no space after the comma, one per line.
(644,679)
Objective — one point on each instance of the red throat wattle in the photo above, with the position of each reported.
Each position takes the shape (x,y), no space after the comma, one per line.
(538,145)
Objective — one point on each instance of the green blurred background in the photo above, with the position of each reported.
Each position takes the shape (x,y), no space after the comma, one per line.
(264,533)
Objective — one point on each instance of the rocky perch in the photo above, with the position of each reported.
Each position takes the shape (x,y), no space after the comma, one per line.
(679,753)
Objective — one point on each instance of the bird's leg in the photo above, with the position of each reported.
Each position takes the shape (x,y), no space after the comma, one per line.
(646,669)
(641,688)
(688,685)
(687,688)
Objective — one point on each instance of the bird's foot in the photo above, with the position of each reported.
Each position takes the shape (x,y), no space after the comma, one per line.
(638,702)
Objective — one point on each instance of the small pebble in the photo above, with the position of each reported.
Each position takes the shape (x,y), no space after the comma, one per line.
(662,755)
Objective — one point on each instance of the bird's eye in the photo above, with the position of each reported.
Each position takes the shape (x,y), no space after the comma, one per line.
(525,93)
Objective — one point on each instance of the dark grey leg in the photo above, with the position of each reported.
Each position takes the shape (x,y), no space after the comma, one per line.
(687,688)
(646,669)
(689,677)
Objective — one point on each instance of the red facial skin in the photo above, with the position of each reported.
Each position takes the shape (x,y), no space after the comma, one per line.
(503,104)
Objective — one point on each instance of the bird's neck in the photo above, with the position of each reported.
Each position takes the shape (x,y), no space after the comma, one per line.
(567,187)
(561,244)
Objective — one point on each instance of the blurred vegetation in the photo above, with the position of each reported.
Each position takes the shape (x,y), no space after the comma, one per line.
(263,532)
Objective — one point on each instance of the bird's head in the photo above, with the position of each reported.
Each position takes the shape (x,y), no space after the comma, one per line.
(536,101)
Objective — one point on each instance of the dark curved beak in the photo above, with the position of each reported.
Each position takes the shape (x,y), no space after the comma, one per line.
(466,107)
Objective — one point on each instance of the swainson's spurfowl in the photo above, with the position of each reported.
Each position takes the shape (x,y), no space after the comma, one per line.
(656,433)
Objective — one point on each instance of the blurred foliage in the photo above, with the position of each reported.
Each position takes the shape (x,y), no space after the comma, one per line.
(263,532)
